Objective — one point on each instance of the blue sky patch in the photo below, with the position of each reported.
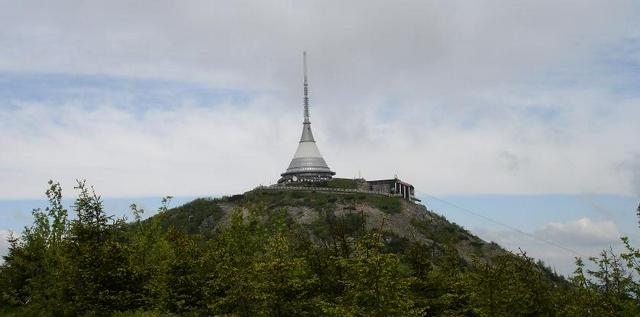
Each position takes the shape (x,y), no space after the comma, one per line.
(139,95)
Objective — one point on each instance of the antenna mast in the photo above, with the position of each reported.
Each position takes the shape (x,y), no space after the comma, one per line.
(306,89)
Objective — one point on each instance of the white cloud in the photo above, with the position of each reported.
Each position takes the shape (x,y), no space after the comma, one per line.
(631,166)
(557,244)
(228,148)
(361,46)
(196,150)
(583,231)
(182,151)
(455,97)
(4,244)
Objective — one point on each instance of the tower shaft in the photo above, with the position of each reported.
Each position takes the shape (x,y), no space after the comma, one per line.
(307,163)
(306,89)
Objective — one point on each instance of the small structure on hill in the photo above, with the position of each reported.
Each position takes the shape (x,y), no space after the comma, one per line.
(307,164)
(393,186)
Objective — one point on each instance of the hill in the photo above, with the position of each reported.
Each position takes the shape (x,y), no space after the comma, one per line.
(321,213)
(287,252)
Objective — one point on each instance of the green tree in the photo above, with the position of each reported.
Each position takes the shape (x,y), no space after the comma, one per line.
(259,268)
(103,280)
(35,269)
(443,284)
(151,255)
(374,283)
(515,285)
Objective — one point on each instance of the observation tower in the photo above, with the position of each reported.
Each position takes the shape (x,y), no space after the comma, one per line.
(307,164)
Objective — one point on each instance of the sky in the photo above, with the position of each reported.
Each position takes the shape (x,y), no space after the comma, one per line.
(519,111)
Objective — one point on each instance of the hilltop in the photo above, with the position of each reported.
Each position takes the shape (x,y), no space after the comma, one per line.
(320,213)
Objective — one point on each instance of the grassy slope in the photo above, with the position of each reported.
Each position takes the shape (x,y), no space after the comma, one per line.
(403,222)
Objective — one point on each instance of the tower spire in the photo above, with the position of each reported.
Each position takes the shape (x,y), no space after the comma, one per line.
(307,163)
(306,88)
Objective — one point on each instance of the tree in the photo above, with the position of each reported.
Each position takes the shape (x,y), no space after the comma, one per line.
(611,287)
(36,266)
(103,280)
(374,283)
(151,255)
(515,285)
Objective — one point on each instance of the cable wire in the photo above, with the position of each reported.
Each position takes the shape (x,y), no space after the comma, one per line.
(535,237)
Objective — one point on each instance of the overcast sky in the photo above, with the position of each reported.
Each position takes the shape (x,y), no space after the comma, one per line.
(190,98)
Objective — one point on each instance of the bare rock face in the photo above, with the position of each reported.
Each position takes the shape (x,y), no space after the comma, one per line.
(402,222)
(302,215)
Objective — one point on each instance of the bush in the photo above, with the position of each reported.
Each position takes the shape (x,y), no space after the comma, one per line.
(390,205)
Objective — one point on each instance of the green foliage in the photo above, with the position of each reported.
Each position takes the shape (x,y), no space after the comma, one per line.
(341,183)
(322,200)
(344,183)
(191,216)
(348,225)
(36,266)
(390,205)
(263,264)
(513,285)
(100,272)
(610,288)
(441,231)
(141,313)
(275,199)
(258,271)
(374,283)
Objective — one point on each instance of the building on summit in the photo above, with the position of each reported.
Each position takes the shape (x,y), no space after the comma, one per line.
(307,164)
(393,186)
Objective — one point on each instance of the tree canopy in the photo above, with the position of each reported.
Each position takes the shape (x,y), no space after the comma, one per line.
(261,264)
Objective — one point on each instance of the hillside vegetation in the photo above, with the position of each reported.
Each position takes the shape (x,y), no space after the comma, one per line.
(289,253)
(400,222)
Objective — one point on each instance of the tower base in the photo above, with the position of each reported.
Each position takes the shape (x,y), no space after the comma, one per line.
(305,177)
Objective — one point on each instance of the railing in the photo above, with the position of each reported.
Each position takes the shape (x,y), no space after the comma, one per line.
(327,189)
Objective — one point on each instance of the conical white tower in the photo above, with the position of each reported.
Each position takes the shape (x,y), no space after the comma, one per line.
(307,164)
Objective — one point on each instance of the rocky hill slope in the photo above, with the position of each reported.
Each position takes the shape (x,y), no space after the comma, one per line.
(326,215)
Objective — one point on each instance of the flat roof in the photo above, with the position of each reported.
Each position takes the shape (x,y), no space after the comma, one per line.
(391,180)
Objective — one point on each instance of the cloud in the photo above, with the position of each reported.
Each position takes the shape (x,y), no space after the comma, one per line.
(631,166)
(583,231)
(511,162)
(185,150)
(398,47)
(582,237)
(172,140)
(4,244)
(194,98)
